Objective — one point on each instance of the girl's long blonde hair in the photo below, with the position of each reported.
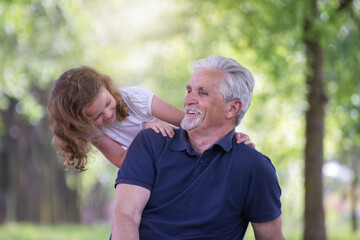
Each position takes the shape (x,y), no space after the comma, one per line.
(73,130)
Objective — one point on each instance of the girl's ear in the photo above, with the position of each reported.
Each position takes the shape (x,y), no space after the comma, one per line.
(234,108)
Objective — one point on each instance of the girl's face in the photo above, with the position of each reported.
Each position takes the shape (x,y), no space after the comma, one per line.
(102,111)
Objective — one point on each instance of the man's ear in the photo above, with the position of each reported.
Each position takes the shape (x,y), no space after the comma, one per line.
(234,107)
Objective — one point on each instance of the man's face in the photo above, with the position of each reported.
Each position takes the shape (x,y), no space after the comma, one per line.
(204,103)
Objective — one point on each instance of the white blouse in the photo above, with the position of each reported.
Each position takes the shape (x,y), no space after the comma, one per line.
(138,99)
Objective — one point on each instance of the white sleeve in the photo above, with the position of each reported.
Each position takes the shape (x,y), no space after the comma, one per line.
(139,99)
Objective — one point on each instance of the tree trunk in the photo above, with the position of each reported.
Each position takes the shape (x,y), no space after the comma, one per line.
(315,116)
(33,185)
(353,191)
(7,212)
(28,178)
(3,184)
(59,203)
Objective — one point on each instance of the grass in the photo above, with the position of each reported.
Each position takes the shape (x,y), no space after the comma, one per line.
(25,231)
(332,234)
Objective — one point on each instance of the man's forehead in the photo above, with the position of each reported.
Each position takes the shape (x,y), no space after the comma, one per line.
(215,73)
(206,78)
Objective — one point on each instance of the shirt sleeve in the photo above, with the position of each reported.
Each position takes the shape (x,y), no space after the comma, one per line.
(263,199)
(138,168)
(139,100)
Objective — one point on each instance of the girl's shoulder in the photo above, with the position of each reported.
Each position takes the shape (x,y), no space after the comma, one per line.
(135,91)
(138,100)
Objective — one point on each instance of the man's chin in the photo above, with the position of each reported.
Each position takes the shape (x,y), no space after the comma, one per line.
(188,126)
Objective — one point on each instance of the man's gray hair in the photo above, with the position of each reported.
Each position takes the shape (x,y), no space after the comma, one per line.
(239,82)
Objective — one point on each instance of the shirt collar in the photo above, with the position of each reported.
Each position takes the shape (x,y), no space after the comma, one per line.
(181,142)
(226,141)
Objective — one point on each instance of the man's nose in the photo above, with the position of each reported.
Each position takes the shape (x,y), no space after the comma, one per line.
(189,99)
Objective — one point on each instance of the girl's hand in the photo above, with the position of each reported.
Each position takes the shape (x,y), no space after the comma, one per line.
(242,137)
(163,127)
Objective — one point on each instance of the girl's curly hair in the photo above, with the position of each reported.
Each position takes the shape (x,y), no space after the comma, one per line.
(73,130)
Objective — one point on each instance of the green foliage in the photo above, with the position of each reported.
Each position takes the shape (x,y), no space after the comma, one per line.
(343,88)
(37,38)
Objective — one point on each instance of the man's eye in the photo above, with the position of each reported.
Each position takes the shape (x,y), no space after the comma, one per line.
(203,93)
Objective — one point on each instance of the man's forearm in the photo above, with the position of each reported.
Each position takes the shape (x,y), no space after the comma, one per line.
(124,228)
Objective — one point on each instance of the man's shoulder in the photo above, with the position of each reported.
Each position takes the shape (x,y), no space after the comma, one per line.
(246,150)
(155,139)
(249,155)
(151,134)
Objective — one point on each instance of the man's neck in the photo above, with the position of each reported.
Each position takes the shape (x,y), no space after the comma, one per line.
(201,140)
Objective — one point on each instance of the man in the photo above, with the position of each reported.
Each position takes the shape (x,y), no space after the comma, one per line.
(200,184)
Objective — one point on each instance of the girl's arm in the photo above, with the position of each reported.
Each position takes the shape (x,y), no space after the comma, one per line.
(162,110)
(166,112)
(112,150)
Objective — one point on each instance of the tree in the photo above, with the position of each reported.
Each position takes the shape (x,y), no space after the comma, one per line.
(36,40)
(315,38)
(343,71)
(315,117)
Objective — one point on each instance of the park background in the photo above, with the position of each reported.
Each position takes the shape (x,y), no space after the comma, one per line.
(304,115)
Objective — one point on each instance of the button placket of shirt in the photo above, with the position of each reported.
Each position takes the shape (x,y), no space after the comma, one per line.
(202,162)
(197,170)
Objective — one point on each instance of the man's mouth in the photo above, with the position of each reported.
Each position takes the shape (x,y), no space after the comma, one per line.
(192,112)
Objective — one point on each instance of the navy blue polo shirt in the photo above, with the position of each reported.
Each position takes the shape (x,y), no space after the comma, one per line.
(210,196)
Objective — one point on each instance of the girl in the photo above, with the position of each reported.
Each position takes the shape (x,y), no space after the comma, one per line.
(85,106)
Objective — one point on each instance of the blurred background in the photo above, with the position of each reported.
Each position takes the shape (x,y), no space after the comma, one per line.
(305,56)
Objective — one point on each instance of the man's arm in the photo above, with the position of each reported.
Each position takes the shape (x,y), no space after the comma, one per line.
(130,201)
(270,230)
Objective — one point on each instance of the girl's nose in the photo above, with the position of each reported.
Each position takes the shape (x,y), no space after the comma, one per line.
(108,113)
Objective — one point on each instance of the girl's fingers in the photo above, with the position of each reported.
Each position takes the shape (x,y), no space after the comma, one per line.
(156,129)
(170,132)
(245,138)
(248,142)
(164,128)
(241,138)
